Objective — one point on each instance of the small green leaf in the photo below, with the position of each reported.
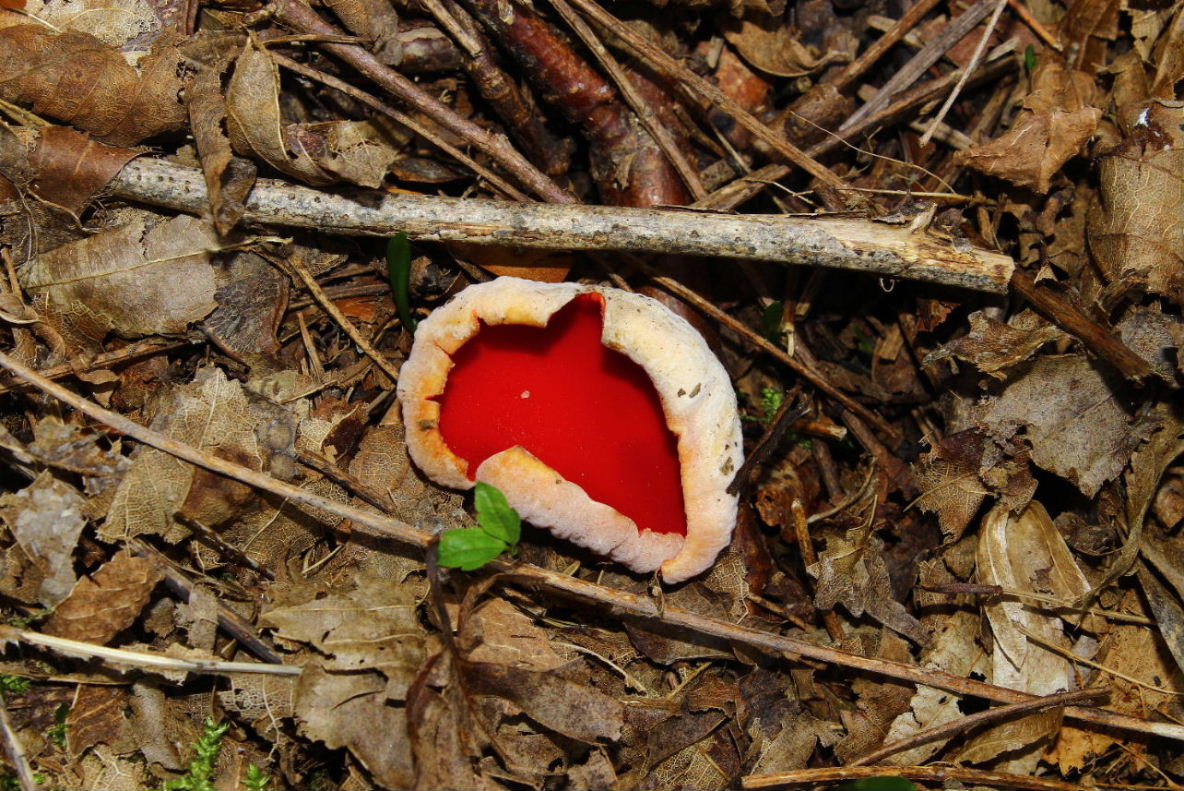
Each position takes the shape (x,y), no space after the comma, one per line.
(1030,58)
(398,269)
(495,515)
(468,548)
(771,321)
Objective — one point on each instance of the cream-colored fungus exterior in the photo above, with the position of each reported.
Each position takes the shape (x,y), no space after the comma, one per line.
(694,389)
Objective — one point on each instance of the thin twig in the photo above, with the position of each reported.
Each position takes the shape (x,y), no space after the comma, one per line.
(764,344)
(400,117)
(105,360)
(633,605)
(874,248)
(629,93)
(937,774)
(16,750)
(297,14)
(143,659)
(922,60)
(229,621)
(701,90)
(330,307)
(979,49)
(962,724)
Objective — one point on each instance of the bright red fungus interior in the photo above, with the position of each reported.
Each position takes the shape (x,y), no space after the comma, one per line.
(588,412)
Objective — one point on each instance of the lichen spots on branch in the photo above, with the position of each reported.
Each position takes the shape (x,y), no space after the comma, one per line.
(592,414)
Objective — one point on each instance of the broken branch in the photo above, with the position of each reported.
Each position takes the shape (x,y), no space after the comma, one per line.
(843,243)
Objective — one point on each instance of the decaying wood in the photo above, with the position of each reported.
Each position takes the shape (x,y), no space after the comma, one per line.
(842,243)
(628,604)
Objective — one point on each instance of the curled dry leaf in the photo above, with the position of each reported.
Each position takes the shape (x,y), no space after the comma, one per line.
(992,346)
(211,414)
(108,601)
(1025,553)
(316,154)
(143,278)
(228,178)
(1136,231)
(375,21)
(852,571)
(76,78)
(46,519)
(769,44)
(1059,115)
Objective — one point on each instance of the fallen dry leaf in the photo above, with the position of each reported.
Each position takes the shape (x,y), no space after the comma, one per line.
(46,519)
(1071,415)
(1135,230)
(1025,553)
(769,44)
(212,414)
(313,153)
(993,347)
(577,711)
(851,571)
(955,649)
(69,168)
(352,710)
(108,601)
(1059,115)
(78,79)
(146,277)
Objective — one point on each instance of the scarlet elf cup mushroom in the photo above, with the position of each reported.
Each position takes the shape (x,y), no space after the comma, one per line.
(599,413)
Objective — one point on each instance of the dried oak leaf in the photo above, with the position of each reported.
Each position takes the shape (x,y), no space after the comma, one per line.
(1135,231)
(1059,115)
(992,346)
(577,711)
(108,601)
(1025,553)
(211,414)
(46,519)
(353,710)
(76,78)
(1072,418)
(136,280)
(852,571)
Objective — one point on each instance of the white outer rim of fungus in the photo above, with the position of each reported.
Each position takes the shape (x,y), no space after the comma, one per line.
(692,385)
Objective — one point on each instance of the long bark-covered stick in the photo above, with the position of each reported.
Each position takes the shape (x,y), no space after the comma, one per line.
(843,243)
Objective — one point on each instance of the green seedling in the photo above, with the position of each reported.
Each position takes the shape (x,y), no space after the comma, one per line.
(498,530)
(398,269)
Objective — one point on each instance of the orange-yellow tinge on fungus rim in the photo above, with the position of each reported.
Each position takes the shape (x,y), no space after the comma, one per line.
(600,414)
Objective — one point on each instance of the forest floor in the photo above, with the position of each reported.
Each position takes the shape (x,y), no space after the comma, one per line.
(954,333)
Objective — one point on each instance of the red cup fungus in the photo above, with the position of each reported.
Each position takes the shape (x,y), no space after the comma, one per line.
(599,413)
